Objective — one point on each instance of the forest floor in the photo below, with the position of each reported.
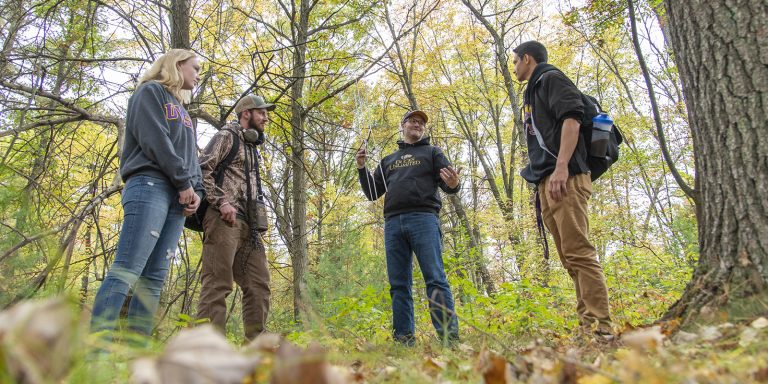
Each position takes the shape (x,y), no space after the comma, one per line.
(44,342)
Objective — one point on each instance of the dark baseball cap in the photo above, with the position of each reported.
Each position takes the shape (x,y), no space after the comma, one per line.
(253,102)
(415,112)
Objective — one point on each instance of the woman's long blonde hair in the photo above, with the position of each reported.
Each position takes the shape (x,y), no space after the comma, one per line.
(165,71)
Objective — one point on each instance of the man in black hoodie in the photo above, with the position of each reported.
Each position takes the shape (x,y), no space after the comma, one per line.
(553,110)
(410,177)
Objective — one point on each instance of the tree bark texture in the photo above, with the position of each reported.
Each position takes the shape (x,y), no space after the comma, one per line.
(298,245)
(180,24)
(721,49)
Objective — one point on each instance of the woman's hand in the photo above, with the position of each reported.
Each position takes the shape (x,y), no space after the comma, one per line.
(191,208)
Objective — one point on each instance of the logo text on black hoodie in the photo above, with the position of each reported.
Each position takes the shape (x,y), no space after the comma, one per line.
(404,161)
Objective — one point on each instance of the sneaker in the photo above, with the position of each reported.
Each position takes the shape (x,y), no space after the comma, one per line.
(450,341)
(406,340)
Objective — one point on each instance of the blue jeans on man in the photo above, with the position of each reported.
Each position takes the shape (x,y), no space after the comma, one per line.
(418,233)
(152,224)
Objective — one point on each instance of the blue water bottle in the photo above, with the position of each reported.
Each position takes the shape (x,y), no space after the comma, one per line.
(601,132)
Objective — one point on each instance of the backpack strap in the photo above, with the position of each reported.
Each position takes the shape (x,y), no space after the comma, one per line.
(252,165)
(540,223)
(218,173)
(195,221)
(539,137)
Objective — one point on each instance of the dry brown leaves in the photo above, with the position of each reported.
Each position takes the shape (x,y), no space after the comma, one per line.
(202,355)
(495,369)
(37,340)
(295,365)
(645,339)
(539,363)
(195,355)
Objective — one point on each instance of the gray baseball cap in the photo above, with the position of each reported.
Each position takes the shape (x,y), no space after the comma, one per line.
(253,102)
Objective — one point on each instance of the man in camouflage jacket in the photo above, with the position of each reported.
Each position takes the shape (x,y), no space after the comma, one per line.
(232,250)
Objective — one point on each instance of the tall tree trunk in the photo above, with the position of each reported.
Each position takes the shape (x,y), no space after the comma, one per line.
(500,50)
(180,24)
(46,136)
(475,248)
(88,251)
(15,16)
(298,245)
(720,49)
(655,107)
(498,32)
(474,244)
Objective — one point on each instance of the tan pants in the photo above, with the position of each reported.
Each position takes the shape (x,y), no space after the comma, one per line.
(230,255)
(568,222)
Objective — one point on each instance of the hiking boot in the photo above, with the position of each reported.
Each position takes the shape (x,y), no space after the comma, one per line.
(604,335)
(598,332)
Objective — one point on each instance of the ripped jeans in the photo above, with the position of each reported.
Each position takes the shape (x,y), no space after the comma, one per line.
(151,229)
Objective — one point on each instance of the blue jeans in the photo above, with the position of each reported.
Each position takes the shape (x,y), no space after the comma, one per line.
(419,233)
(151,229)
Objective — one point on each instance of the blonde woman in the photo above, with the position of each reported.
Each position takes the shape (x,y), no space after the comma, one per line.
(161,172)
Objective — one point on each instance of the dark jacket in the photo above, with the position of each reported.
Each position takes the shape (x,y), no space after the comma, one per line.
(410,178)
(553,98)
(159,139)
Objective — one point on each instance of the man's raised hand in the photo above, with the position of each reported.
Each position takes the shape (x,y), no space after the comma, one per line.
(360,158)
(450,176)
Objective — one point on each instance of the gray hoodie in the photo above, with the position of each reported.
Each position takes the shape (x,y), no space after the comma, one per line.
(159,139)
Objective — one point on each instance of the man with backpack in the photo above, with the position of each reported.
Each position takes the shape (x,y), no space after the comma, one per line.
(553,111)
(232,246)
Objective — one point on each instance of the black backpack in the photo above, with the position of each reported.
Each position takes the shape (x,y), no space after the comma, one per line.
(598,165)
(195,220)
